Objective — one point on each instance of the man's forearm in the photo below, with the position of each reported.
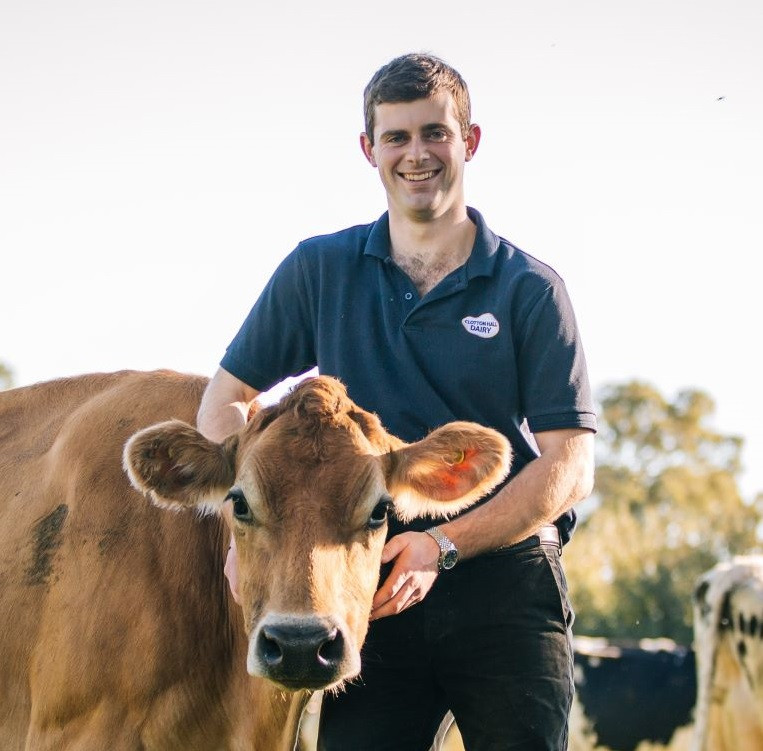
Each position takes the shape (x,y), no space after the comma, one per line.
(544,489)
(224,406)
(218,421)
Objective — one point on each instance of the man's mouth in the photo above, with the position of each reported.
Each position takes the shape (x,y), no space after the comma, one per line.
(417,177)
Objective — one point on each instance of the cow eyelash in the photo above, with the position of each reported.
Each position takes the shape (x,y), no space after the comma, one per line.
(241,510)
(380,513)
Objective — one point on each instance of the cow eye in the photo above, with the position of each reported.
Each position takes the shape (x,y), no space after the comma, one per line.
(380,513)
(241,509)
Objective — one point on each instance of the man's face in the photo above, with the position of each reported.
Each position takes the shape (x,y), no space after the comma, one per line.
(420,153)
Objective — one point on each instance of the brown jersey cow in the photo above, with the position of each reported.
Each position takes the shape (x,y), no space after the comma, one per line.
(117,628)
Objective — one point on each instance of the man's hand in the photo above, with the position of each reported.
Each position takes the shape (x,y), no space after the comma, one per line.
(231,570)
(412,576)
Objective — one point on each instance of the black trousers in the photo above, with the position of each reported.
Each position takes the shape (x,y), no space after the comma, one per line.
(491,642)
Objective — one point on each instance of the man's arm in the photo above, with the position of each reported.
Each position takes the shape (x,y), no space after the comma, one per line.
(224,406)
(223,410)
(547,487)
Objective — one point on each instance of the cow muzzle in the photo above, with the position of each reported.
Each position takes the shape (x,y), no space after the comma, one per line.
(302,652)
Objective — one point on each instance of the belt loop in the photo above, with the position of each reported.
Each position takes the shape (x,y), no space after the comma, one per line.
(546,535)
(549,535)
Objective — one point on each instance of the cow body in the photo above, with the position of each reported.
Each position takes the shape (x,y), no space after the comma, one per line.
(118,629)
(728,631)
(633,694)
(102,640)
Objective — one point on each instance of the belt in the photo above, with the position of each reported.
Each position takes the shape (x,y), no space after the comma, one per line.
(546,535)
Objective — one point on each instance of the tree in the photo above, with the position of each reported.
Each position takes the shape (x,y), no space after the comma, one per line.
(6,376)
(666,508)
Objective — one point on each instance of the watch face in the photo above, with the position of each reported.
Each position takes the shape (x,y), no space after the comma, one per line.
(449,559)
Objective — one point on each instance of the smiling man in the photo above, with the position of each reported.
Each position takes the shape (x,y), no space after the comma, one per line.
(428,317)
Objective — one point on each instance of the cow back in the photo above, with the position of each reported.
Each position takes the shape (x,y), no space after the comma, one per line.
(104,600)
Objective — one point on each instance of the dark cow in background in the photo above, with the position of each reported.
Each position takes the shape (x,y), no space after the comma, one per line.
(728,636)
(631,694)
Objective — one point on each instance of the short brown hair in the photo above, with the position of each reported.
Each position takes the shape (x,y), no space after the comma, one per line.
(411,77)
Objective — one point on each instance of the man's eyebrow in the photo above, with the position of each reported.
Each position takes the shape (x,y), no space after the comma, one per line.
(424,129)
(398,132)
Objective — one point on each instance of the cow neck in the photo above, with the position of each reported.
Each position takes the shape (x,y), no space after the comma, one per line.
(285,710)
(271,717)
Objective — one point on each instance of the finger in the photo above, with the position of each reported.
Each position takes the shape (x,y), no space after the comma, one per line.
(393,548)
(231,572)
(405,598)
(408,598)
(392,585)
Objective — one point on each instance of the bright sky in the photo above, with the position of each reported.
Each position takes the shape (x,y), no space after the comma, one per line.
(158,159)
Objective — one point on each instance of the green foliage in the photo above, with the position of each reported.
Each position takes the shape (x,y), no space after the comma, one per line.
(665,509)
(6,376)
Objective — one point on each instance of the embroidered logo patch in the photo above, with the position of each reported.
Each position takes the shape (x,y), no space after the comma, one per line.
(485,325)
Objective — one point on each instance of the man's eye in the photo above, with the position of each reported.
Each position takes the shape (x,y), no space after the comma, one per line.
(380,513)
(241,510)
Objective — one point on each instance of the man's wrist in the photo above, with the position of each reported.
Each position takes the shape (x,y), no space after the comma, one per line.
(448,551)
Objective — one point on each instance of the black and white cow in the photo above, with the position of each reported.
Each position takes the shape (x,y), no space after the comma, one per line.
(631,694)
(728,637)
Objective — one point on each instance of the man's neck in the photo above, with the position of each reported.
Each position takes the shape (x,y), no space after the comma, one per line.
(428,251)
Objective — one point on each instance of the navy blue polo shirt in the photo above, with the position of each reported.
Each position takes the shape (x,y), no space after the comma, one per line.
(495,342)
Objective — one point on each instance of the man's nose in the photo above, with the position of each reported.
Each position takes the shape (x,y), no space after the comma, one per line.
(417,150)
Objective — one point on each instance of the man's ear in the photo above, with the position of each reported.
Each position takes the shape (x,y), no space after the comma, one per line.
(368,149)
(472,140)
(447,471)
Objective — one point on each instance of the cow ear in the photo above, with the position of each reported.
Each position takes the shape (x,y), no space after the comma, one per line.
(447,471)
(177,466)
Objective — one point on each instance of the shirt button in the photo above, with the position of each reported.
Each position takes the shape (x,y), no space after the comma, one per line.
(408,295)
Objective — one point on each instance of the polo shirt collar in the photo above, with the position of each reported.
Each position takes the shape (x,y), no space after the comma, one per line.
(377,243)
(481,262)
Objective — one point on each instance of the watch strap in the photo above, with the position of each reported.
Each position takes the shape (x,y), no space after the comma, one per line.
(446,546)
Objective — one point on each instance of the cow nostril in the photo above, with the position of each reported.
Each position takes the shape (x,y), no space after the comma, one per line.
(297,649)
(332,649)
(270,650)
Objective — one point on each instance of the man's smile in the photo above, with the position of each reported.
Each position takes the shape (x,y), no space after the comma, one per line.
(418,176)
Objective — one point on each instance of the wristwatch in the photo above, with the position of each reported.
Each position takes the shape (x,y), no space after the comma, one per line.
(448,551)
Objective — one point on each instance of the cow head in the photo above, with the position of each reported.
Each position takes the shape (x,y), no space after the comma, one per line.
(306,488)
